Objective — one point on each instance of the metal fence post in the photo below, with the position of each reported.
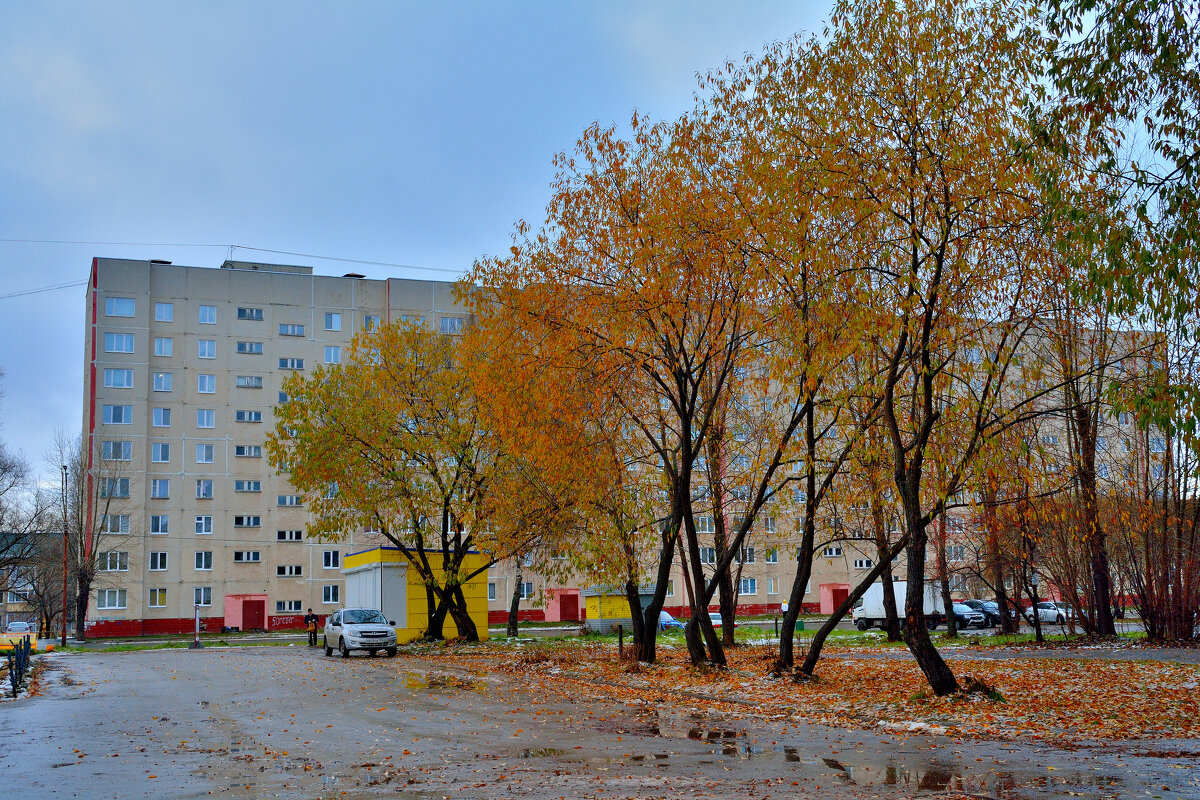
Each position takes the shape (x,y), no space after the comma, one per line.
(621,641)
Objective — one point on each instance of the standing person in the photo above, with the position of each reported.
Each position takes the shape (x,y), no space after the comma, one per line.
(310,622)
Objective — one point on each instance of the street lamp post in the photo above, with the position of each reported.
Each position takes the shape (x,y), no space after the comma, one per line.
(65,547)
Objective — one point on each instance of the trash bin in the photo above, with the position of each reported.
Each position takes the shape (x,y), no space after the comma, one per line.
(799,625)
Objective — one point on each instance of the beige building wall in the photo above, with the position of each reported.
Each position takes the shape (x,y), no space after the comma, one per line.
(183,417)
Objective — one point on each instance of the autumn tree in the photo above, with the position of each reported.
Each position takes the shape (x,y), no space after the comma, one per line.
(390,440)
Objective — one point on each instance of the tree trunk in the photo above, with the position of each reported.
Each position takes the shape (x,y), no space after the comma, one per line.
(890,612)
(884,567)
(457,608)
(916,635)
(83,591)
(662,578)
(437,623)
(514,605)
(636,621)
(891,617)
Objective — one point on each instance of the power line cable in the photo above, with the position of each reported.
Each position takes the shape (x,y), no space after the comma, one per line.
(238,247)
(41,289)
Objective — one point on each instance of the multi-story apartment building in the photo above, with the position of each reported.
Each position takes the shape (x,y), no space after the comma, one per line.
(183,366)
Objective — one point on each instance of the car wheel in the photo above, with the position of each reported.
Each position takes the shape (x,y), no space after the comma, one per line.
(325,644)
(371,653)
(391,651)
(345,651)
(861,625)
(931,624)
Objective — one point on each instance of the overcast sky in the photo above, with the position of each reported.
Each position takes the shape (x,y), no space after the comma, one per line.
(409,133)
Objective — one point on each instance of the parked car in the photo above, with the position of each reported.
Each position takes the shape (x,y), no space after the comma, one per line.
(665,621)
(1057,613)
(967,617)
(990,610)
(21,627)
(359,629)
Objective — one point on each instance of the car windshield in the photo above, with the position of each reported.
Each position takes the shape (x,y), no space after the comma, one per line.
(962,609)
(363,616)
(1046,605)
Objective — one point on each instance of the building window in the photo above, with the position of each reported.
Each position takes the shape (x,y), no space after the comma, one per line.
(250,348)
(254,314)
(288,500)
(160,523)
(203,595)
(207,348)
(206,418)
(956,552)
(708,555)
(208,315)
(158,598)
(772,555)
(158,562)
(291,363)
(204,523)
(286,606)
(289,536)
(206,384)
(118,379)
(110,598)
(114,523)
(115,487)
(118,415)
(247,521)
(333,321)
(863,563)
(1158,444)
(164,346)
(204,489)
(772,585)
(204,560)
(160,452)
(333,354)
(162,381)
(247,451)
(746,556)
(247,486)
(526,590)
(247,416)
(114,561)
(283,398)
(452,325)
(247,556)
(371,322)
(291,330)
(413,319)
(332,559)
(118,342)
(119,307)
(205,453)
(162,418)
(164,312)
(1102,470)
(748,586)
(248,382)
(116,451)
(491,590)
(670,588)
(832,551)
(1050,439)
(289,570)
(330,593)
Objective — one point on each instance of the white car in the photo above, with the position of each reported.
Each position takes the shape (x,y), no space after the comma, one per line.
(359,629)
(1057,613)
(21,627)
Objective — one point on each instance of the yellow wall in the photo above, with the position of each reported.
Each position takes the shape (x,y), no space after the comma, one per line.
(607,607)
(475,591)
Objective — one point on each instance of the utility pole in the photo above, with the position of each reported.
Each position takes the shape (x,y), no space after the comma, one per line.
(65,543)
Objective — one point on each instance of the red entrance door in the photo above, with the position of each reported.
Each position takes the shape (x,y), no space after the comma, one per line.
(839,596)
(254,615)
(568,607)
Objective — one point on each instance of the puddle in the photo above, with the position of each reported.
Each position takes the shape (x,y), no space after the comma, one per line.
(414,680)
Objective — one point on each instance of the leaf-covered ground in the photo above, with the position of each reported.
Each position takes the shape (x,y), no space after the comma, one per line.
(1062,701)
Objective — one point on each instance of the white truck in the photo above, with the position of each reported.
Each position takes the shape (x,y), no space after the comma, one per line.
(869,613)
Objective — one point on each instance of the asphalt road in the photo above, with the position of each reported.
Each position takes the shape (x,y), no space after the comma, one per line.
(288,722)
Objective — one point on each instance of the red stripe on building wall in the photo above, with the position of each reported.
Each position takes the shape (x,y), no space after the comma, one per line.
(91,423)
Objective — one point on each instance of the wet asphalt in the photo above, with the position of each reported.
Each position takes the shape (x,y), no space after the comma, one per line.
(288,722)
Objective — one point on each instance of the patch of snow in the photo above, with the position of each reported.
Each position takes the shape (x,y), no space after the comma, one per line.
(913,727)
